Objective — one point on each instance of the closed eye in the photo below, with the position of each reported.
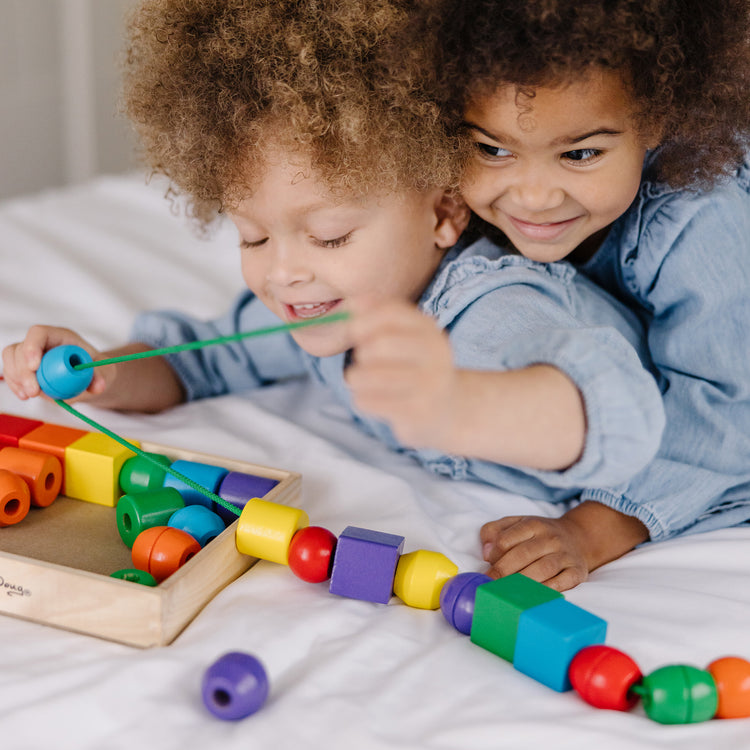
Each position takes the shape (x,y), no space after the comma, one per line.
(246,244)
(337,241)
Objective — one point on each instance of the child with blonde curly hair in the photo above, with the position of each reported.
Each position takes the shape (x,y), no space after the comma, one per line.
(615,135)
(307,123)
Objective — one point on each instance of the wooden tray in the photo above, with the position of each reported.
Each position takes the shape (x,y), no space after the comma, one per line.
(55,567)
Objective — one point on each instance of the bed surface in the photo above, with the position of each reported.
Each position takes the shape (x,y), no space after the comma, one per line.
(343,673)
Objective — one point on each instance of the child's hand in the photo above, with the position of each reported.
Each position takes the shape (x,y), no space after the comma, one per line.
(560,552)
(22,360)
(549,550)
(403,373)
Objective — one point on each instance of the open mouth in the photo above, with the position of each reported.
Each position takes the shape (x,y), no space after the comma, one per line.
(310,310)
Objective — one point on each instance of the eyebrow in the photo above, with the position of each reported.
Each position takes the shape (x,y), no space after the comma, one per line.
(562,140)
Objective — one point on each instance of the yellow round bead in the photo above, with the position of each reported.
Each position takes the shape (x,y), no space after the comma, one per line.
(420,577)
(265,530)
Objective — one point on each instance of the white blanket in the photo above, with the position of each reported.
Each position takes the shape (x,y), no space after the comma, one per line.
(343,673)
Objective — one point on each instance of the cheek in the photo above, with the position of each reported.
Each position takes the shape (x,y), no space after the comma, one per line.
(480,187)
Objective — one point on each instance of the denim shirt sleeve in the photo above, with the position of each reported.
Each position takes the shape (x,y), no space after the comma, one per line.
(224,368)
(685,260)
(517,313)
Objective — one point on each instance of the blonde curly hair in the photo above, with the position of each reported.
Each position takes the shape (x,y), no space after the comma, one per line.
(209,84)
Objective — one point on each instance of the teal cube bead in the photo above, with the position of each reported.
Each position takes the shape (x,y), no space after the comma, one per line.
(550,635)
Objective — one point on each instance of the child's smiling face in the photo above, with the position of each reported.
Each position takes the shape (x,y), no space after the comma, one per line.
(307,253)
(554,169)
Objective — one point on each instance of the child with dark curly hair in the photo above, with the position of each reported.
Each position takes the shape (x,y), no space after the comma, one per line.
(308,124)
(615,134)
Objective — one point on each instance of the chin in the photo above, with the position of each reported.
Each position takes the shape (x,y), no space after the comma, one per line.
(321,347)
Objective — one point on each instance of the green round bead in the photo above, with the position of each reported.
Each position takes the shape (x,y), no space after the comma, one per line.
(135,576)
(138,474)
(142,510)
(679,694)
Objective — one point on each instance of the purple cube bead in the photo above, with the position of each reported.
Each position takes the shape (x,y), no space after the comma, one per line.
(235,686)
(364,565)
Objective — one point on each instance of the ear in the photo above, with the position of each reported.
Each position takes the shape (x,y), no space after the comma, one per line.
(452,217)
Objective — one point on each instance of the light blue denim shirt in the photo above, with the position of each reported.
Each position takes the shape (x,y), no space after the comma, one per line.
(501,312)
(682,261)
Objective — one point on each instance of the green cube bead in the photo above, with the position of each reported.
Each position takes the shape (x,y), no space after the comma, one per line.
(497,608)
(679,694)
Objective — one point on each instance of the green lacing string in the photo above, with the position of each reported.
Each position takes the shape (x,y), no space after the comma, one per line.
(334,318)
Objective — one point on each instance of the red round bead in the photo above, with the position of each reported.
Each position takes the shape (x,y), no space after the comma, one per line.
(603,676)
(311,554)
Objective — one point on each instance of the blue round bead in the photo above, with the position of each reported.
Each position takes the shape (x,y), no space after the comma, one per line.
(457,599)
(57,375)
(201,523)
(235,686)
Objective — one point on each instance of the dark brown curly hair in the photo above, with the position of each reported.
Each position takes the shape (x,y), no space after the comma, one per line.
(686,62)
(209,83)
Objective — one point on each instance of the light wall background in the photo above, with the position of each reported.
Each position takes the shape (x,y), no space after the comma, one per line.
(59,83)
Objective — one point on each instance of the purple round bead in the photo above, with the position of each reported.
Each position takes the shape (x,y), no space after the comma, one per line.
(457,599)
(235,686)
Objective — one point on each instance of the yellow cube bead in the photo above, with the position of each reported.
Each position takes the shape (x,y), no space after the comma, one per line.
(92,468)
(265,530)
(420,577)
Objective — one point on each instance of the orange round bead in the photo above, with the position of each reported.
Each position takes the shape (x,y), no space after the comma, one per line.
(15,499)
(732,677)
(42,472)
(161,550)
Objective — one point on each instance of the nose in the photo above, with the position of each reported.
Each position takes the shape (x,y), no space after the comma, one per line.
(534,189)
(288,265)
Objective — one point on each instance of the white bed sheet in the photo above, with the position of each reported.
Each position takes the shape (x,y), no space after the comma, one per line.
(343,673)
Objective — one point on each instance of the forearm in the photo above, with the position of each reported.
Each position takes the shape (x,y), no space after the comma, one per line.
(146,385)
(532,417)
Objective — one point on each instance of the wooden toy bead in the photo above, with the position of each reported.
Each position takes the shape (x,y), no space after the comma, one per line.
(311,554)
(138,474)
(237,488)
(365,564)
(732,677)
(234,686)
(161,550)
(678,694)
(420,577)
(13,428)
(457,599)
(498,608)
(41,471)
(205,475)
(15,498)
(604,676)
(140,511)
(135,576)
(265,530)
(201,523)
(57,375)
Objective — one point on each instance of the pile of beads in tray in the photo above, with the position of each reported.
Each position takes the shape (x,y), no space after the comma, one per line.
(163,520)
(532,626)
